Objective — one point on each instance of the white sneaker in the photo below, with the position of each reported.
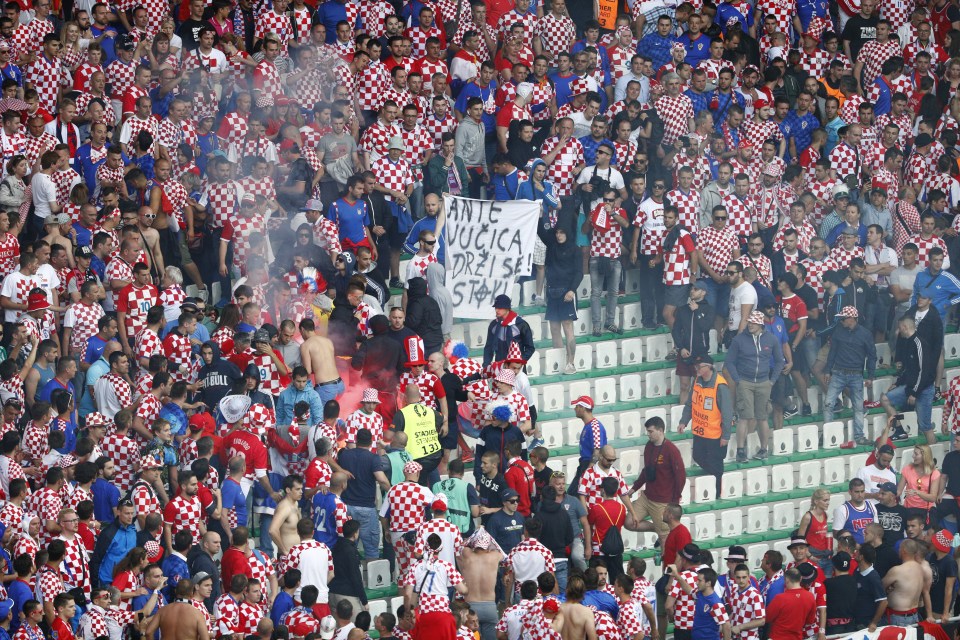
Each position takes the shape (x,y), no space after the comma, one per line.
(569,369)
(536,300)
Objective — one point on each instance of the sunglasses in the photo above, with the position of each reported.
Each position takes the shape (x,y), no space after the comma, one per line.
(659,186)
(430,242)
(732,273)
(609,199)
(720,217)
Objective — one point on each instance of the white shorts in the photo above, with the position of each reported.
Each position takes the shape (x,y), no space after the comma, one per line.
(539,252)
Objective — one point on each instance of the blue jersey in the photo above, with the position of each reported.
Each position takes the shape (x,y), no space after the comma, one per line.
(593,436)
(705,625)
(351,218)
(325,518)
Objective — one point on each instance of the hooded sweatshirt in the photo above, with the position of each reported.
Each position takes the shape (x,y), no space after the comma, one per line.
(424,316)
(436,276)
(557,532)
(217,378)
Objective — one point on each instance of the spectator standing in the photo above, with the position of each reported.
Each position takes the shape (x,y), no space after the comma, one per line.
(914,386)
(664,475)
(593,437)
(710,409)
(851,344)
(508,327)
(754,363)
(606,519)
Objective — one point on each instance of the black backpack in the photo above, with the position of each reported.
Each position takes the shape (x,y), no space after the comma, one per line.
(612,544)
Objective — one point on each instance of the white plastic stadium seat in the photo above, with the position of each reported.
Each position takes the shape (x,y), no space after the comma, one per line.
(533,368)
(685,447)
(604,392)
(378,574)
(631,388)
(951,346)
(732,485)
(552,434)
(581,326)
(755,555)
(705,489)
(397,601)
(833,434)
(705,526)
(731,523)
(810,474)
(583,357)
(782,476)
(654,384)
(551,398)
(554,359)
(782,442)
(757,482)
(655,348)
(758,519)
(631,317)
(784,516)
(883,355)
(583,291)
(376,607)
(630,462)
(629,425)
(478,334)
(606,355)
(808,438)
(834,471)
(631,351)
(633,281)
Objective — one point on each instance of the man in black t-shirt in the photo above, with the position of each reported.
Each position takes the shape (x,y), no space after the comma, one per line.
(860,28)
(189,29)
(490,484)
(891,515)
(944,567)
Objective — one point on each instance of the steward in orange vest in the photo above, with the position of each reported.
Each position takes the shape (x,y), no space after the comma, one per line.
(709,411)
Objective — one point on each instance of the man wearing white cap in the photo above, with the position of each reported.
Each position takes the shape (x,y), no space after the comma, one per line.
(395,181)
(403,512)
(754,362)
(851,344)
(515,111)
(366,417)
(448,532)
(143,494)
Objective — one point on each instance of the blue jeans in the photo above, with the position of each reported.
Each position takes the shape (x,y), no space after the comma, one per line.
(369,530)
(923,405)
(853,383)
(330,392)
(718,296)
(487,616)
(604,277)
(561,566)
(902,621)
(266,542)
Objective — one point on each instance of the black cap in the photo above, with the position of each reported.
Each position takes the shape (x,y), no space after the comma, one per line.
(502,301)
(124,42)
(691,552)
(705,359)
(83,251)
(807,572)
(885,448)
(841,561)
(923,140)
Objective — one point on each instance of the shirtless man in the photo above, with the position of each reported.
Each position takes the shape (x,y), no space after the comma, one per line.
(906,584)
(577,619)
(179,619)
(478,563)
(163,208)
(283,529)
(316,355)
(150,236)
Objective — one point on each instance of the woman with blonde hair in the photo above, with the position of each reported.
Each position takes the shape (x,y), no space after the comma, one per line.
(813,527)
(921,484)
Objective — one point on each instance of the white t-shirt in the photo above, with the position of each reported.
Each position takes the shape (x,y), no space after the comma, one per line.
(48,280)
(873,477)
(44,192)
(740,295)
(611,175)
(10,290)
(314,563)
(904,278)
(581,126)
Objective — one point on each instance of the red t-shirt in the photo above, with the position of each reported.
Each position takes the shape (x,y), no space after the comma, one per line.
(604,515)
(234,562)
(60,630)
(677,539)
(86,536)
(789,612)
(242,442)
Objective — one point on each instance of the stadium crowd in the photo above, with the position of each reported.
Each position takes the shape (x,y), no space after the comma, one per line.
(782,177)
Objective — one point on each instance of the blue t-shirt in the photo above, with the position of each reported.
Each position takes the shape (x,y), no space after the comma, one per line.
(172,413)
(95,345)
(325,518)
(232,496)
(106,496)
(771,590)
(362,463)
(587,441)
(284,601)
(19,592)
(351,218)
(704,625)
(602,601)
(473,90)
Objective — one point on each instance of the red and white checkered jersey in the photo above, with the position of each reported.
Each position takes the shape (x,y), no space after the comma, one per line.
(34,443)
(873,54)
(815,271)
(676,113)
(951,408)
(417,142)
(49,582)
(239,228)
(372,81)
(649,218)
(904,136)
(820,596)
(76,572)
(149,409)
(418,40)
(747,606)
(318,473)
(609,243)
(560,172)
(37,146)
(842,257)
(805,234)
(684,605)
(717,247)
(849,112)
(233,128)
(82,319)
(46,503)
(9,254)
(360,420)
(739,214)
(452,541)
(590,484)
(917,169)
(47,76)
(12,515)
(759,131)
(688,206)
(208,619)
(184,514)
(26,544)
(701,174)
(147,343)
(433,578)
(117,269)
(925,245)
(392,175)
(822,191)
(270,21)
(436,127)
(223,198)
(373,13)
(81,77)
(466,24)
(762,264)
(528,560)
(625,151)
(815,63)
(78,495)
(266,79)
(119,76)
(782,10)
(676,263)
(226,611)
(629,622)
(405,504)
(143,383)
(605,625)
(518,404)
(911,216)
(145,498)
(897,12)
